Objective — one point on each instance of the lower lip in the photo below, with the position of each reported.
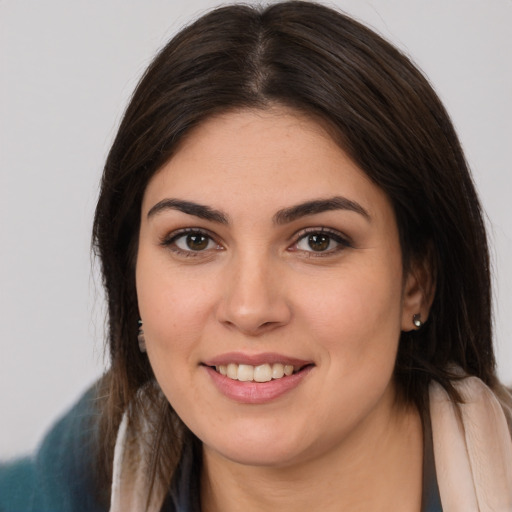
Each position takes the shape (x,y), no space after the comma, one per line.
(256,392)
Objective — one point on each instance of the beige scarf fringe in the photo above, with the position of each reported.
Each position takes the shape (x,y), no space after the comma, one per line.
(472,449)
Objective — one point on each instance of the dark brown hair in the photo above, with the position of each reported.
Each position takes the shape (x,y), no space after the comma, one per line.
(383,113)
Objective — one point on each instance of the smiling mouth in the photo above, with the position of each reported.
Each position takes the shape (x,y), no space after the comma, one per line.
(260,373)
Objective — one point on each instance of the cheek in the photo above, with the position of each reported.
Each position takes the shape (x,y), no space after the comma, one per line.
(355,317)
(172,318)
(171,311)
(356,324)
(174,314)
(169,300)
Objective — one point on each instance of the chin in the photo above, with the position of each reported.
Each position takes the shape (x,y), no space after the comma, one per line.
(258,455)
(258,446)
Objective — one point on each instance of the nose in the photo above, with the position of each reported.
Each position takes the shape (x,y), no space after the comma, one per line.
(254,297)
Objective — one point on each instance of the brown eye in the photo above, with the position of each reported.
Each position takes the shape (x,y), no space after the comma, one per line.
(319,242)
(197,242)
(191,242)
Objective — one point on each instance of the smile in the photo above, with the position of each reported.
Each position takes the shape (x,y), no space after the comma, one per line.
(261,373)
(256,378)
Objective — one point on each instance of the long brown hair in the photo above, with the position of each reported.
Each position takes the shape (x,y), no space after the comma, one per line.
(383,113)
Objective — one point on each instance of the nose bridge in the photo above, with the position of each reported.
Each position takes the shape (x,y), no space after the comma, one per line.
(254,300)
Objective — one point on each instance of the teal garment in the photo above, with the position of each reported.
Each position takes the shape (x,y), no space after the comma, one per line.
(60,476)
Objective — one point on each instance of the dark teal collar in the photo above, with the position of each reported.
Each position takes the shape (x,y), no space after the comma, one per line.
(431,500)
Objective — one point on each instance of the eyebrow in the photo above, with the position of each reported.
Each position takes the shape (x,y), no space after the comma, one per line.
(284,216)
(190,208)
(318,206)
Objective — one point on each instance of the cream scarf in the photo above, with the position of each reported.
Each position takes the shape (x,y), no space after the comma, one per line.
(472,450)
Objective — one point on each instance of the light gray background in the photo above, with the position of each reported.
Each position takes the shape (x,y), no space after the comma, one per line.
(67,69)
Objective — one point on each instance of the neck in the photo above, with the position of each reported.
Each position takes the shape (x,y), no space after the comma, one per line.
(379,468)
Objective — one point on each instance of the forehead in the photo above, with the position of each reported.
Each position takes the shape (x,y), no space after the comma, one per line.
(265,157)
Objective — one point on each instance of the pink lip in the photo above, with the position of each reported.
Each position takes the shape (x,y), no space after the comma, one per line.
(255,359)
(256,392)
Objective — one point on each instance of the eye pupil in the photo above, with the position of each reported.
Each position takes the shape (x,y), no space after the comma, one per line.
(197,242)
(318,242)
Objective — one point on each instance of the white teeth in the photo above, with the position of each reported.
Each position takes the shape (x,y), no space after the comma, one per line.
(277,371)
(261,373)
(245,372)
(232,371)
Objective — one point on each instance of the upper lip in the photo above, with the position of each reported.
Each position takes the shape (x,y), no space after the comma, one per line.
(256,359)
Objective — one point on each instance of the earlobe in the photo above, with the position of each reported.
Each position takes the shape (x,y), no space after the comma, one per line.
(418,295)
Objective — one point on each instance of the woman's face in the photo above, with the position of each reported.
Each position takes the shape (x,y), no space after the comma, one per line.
(265,250)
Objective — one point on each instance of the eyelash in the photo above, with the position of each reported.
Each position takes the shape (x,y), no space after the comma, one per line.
(335,236)
(170,240)
(343,242)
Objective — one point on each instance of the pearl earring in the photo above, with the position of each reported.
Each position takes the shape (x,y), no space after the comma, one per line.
(416,320)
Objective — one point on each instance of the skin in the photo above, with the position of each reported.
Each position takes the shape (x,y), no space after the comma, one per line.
(339,438)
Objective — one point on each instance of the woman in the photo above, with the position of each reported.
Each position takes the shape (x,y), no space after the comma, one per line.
(297,277)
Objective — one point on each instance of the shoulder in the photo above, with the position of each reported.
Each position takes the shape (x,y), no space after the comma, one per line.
(59,477)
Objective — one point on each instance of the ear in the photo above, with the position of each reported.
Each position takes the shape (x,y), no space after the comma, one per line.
(418,293)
